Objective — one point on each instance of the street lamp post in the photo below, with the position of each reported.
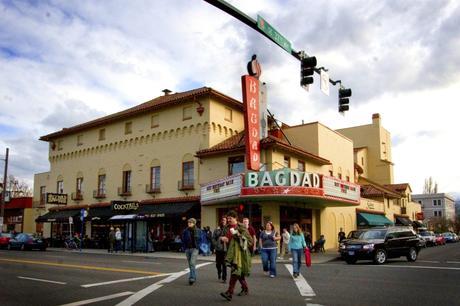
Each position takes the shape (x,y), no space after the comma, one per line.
(4,184)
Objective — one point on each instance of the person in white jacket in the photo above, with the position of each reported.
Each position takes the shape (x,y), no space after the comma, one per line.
(117,239)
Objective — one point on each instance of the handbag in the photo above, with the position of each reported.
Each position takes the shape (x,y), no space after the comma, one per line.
(307,257)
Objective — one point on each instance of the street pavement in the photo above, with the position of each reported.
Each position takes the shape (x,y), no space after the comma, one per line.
(74,278)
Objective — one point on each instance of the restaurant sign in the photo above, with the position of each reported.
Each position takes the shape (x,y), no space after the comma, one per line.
(223,189)
(56,198)
(120,206)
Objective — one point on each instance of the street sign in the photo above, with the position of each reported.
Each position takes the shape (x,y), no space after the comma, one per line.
(70,220)
(279,39)
(324,82)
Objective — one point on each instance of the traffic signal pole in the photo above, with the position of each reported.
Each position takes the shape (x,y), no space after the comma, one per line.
(233,11)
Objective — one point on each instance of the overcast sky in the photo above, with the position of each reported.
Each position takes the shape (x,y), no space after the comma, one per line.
(66,62)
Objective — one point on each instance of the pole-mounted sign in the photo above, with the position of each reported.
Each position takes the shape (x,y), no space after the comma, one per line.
(251,121)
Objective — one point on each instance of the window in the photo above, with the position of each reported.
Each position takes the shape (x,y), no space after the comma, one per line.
(331,173)
(128,127)
(236,165)
(155,121)
(187,174)
(126,181)
(80,140)
(42,195)
(101,185)
(228,114)
(339,175)
(434,202)
(155,178)
(60,187)
(79,184)
(287,162)
(59,145)
(102,134)
(362,161)
(301,166)
(435,213)
(187,113)
(348,178)
(440,213)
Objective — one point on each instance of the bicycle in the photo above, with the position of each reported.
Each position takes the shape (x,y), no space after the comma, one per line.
(70,244)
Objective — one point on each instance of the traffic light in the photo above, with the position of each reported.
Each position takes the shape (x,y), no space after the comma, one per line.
(344,101)
(307,66)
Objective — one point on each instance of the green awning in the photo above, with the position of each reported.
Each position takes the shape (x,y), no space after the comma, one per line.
(365,219)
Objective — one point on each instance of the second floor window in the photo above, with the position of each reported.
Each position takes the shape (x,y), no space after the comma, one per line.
(60,187)
(187,173)
(235,165)
(42,195)
(102,134)
(287,162)
(301,166)
(127,181)
(331,173)
(128,127)
(79,184)
(101,185)
(155,178)
(339,175)
(80,140)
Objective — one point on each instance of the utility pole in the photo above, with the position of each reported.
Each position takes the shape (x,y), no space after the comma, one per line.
(2,211)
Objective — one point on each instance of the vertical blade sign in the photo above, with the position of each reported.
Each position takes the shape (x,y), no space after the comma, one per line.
(251,121)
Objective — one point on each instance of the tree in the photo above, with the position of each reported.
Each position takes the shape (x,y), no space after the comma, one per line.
(430,186)
(17,188)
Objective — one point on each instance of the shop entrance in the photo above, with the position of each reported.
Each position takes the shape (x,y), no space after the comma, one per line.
(251,211)
(290,215)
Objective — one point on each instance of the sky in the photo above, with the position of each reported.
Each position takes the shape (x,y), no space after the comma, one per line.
(67,62)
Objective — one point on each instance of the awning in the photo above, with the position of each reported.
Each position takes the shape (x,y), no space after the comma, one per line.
(165,209)
(402,221)
(59,216)
(123,217)
(100,213)
(365,219)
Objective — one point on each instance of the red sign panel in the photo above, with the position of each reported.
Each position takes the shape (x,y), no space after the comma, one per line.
(282,190)
(419,216)
(251,121)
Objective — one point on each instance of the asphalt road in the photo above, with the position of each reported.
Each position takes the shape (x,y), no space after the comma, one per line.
(60,278)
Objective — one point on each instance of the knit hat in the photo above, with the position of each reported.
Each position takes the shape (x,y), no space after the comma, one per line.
(192,220)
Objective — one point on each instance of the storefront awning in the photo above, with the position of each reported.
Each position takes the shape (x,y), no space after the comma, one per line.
(166,209)
(365,219)
(100,213)
(402,221)
(123,217)
(59,216)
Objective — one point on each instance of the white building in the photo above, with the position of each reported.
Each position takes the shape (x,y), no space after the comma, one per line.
(436,205)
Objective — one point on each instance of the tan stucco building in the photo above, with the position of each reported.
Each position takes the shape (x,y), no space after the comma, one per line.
(152,166)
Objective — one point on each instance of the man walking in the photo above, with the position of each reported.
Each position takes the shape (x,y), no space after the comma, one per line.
(252,232)
(286,237)
(238,255)
(191,239)
(221,249)
(111,239)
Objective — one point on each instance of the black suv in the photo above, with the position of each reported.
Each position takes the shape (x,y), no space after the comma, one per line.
(378,244)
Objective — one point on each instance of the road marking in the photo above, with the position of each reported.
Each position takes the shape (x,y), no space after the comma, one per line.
(429,261)
(453,262)
(42,280)
(420,267)
(47,263)
(123,280)
(304,288)
(141,262)
(102,298)
(144,292)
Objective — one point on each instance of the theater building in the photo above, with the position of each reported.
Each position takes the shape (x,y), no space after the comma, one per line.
(182,155)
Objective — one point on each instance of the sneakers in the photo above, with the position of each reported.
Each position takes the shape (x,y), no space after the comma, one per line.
(272,276)
(226,296)
(224,281)
(191,281)
(296,275)
(243,292)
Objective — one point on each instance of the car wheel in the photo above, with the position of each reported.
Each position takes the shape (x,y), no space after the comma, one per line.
(380,257)
(351,260)
(412,255)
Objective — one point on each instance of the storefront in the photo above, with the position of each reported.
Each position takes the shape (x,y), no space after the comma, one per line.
(16,214)
(366,219)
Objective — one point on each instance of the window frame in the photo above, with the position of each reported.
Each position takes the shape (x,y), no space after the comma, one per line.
(186,116)
(60,188)
(187,169)
(101,134)
(101,184)
(155,182)
(235,160)
(128,127)
(301,162)
(127,180)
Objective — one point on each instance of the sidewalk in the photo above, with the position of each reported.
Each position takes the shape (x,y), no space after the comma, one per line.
(316,258)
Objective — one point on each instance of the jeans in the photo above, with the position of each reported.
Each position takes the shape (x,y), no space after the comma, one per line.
(269,260)
(220,265)
(296,259)
(192,254)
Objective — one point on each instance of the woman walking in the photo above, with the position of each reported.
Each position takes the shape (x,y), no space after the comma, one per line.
(296,246)
(267,240)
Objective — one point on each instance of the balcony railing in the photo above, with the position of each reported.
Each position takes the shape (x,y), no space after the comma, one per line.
(156,188)
(403,210)
(77,196)
(99,194)
(124,191)
(186,185)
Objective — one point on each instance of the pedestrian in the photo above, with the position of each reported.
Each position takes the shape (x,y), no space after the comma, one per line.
(238,255)
(267,240)
(117,240)
(191,240)
(286,236)
(221,249)
(296,246)
(150,237)
(308,240)
(209,240)
(252,232)
(111,239)
(341,235)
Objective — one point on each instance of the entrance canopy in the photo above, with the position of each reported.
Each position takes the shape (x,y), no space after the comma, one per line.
(59,215)
(365,219)
(165,209)
(402,221)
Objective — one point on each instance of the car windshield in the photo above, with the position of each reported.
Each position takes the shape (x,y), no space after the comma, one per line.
(373,234)
(354,234)
(425,233)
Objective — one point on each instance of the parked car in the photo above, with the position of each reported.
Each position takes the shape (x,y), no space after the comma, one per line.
(440,240)
(351,235)
(429,237)
(5,239)
(379,244)
(25,241)
(449,237)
